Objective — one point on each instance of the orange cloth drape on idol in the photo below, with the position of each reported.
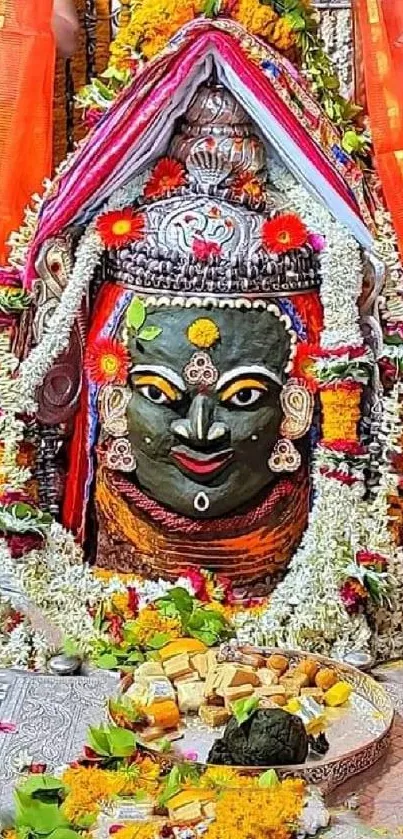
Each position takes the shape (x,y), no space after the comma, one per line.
(27,58)
(381,27)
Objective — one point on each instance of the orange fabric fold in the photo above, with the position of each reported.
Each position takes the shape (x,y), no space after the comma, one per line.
(381,26)
(27,58)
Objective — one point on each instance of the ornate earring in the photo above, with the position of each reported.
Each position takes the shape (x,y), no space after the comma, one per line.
(116,452)
(297,403)
(284,457)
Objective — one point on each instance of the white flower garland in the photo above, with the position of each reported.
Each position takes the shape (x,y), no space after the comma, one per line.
(341,263)
(57,334)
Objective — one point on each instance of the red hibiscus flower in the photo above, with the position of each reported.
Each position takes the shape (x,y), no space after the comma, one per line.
(203,250)
(120,227)
(14,619)
(284,233)
(198,583)
(133,600)
(353,595)
(21,545)
(107,361)
(116,628)
(371,559)
(167,175)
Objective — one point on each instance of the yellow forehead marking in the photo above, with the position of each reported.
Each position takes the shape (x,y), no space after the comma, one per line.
(203,333)
(242,384)
(158,381)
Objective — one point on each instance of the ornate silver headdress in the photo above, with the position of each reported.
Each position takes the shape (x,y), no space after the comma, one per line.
(216,144)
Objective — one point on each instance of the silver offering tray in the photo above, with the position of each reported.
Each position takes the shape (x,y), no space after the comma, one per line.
(358,733)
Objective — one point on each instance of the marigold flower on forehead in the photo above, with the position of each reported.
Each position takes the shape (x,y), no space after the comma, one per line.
(120,227)
(203,333)
(107,362)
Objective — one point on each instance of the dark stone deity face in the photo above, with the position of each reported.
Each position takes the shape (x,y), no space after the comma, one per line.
(205,410)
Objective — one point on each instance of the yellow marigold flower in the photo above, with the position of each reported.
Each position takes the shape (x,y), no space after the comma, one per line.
(252,813)
(8,833)
(120,602)
(138,830)
(88,787)
(150,621)
(220,776)
(203,333)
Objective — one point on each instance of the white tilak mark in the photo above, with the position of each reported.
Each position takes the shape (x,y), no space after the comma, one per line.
(201,502)
(199,423)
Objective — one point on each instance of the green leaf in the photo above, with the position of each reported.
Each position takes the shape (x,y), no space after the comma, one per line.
(207,636)
(107,661)
(149,333)
(135,657)
(245,708)
(98,741)
(136,314)
(122,743)
(180,598)
(42,818)
(268,779)
(38,783)
(71,648)
(164,745)
(212,8)
(66,832)
(85,821)
(175,779)
(296,22)
(159,640)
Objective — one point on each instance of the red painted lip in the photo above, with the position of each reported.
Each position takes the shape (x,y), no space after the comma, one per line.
(202,464)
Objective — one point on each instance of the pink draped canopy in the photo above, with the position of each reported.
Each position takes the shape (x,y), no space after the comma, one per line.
(138,127)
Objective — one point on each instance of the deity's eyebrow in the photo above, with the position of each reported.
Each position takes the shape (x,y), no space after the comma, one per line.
(248,370)
(160,370)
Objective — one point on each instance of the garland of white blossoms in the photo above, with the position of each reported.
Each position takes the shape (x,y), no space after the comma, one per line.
(58,329)
(341,263)
(305,610)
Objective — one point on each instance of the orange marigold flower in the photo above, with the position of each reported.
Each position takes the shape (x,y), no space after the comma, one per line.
(107,362)
(168,174)
(119,227)
(284,233)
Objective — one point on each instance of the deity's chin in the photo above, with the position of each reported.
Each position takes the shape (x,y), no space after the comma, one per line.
(227,492)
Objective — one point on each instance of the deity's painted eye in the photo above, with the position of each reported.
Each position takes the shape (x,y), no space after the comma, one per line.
(243,393)
(156,389)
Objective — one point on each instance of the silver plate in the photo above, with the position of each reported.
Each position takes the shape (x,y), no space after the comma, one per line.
(358,733)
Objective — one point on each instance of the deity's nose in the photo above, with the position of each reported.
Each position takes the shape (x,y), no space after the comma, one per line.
(199,427)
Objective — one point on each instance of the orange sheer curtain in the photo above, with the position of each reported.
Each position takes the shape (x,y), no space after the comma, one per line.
(27,58)
(381,26)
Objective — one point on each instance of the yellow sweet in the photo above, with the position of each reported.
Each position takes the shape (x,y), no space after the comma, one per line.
(190,795)
(180,646)
(338,694)
(293,706)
